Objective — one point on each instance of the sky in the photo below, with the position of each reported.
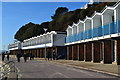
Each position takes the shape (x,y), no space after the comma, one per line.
(48,0)
(17,14)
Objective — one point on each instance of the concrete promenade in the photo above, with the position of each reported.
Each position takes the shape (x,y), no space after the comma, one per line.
(112,69)
(40,68)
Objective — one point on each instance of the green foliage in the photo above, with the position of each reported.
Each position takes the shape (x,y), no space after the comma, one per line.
(29,30)
(62,22)
(59,11)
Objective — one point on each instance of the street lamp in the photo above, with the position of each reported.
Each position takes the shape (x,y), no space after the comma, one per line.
(45,29)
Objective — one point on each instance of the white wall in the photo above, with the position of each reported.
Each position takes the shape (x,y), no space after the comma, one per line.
(81,27)
(59,40)
(97,21)
(107,19)
(118,13)
(13,46)
(69,32)
(74,29)
(88,25)
(108,16)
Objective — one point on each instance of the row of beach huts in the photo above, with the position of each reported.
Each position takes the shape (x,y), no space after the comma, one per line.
(94,39)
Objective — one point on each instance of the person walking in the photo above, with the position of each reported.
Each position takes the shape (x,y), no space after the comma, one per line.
(18,57)
(8,57)
(25,57)
(49,55)
(3,56)
(31,56)
(54,55)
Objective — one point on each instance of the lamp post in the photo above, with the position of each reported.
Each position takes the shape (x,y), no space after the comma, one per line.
(45,29)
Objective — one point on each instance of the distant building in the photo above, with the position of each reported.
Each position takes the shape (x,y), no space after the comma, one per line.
(36,45)
(92,3)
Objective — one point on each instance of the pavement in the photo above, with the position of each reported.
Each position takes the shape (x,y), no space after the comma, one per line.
(40,68)
(111,69)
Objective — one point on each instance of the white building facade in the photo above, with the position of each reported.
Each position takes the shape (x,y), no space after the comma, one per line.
(96,38)
(36,45)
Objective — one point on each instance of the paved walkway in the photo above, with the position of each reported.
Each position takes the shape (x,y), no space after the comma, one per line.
(40,68)
(113,69)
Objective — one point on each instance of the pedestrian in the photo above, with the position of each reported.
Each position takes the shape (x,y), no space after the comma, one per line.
(8,57)
(31,56)
(49,55)
(3,56)
(18,57)
(25,57)
(54,55)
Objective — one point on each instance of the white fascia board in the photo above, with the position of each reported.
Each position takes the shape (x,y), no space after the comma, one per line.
(80,21)
(37,36)
(87,40)
(23,40)
(87,18)
(38,46)
(48,33)
(69,27)
(84,19)
(93,14)
(33,37)
(117,4)
(107,8)
(101,37)
(41,35)
(53,32)
(66,44)
(29,38)
(14,48)
(115,35)
(74,25)
(17,42)
(112,8)
(44,34)
(96,13)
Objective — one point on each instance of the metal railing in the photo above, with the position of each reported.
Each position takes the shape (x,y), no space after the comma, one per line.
(9,70)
